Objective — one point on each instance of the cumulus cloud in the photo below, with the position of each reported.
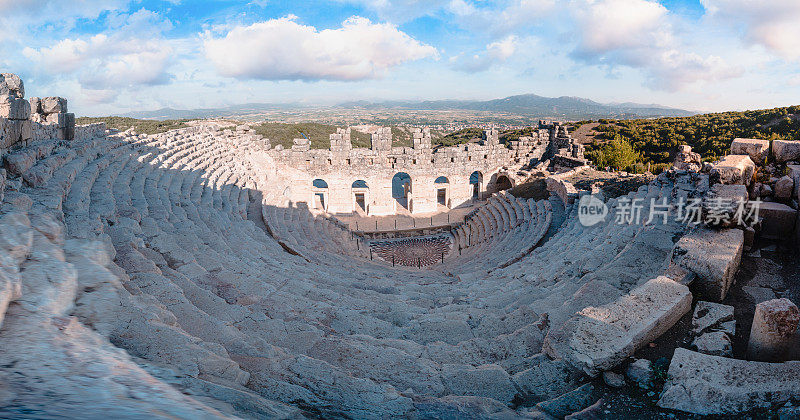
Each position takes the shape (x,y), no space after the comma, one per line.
(282,49)
(496,52)
(639,34)
(118,59)
(774,24)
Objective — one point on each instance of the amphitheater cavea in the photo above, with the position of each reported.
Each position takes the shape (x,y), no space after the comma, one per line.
(204,272)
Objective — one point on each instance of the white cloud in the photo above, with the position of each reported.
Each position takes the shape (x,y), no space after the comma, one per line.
(639,34)
(505,18)
(400,11)
(496,52)
(609,25)
(775,24)
(282,49)
(18,16)
(497,18)
(116,59)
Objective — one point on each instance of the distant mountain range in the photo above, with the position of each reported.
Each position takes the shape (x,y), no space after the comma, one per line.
(530,105)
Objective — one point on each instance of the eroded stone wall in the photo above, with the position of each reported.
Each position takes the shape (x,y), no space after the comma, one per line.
(438,175)
(24,121)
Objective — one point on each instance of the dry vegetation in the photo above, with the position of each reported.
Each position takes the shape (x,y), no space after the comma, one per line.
(140,126)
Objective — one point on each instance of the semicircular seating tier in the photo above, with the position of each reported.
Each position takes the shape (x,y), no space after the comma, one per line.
(187,258)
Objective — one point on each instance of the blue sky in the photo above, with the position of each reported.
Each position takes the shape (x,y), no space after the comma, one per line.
(113,56)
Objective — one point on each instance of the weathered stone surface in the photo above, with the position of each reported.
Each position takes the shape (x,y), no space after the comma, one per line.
(734,169)
(686,159)
(54,105)
(460,407)
(594,411)
(641,373)
(716,343)
(14,108)
(3,178)
(706,384)
(36,105)
(778,220)
(713,256)
(11,85)
(788,413)
(757,294)
(16,131)
(757,149)
(489,381)
(786,150)
(774,330)
(794,173)
(571,402)
(613,379)
(784,188)
(600,338)
(710,316)
(547,379)
(721,205)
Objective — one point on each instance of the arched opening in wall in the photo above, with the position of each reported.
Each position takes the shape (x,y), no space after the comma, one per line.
(320,190)
(401,189)
(503,183)
(442,186)
(360,195)
(476,180)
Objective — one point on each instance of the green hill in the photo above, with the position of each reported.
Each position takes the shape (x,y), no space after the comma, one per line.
(655,140)
(141,126)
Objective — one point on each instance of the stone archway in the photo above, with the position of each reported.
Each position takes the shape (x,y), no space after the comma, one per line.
(402,189)
(503,183)
(442,190)
(476,182)
(319,191)
(360,193)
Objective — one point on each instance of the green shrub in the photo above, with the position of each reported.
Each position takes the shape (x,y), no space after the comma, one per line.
(617,154)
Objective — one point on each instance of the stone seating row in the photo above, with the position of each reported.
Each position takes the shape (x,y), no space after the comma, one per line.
(206,293)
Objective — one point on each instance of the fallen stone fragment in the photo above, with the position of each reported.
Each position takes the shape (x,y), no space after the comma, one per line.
(784,188)
(786,150)
(714,256)
(758,294)
(755,148)
(641,372)
(734,169)
(613,379)
(601,338)
(710,316)
(705,384)
(716,343)
(778,220)
(774,330)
